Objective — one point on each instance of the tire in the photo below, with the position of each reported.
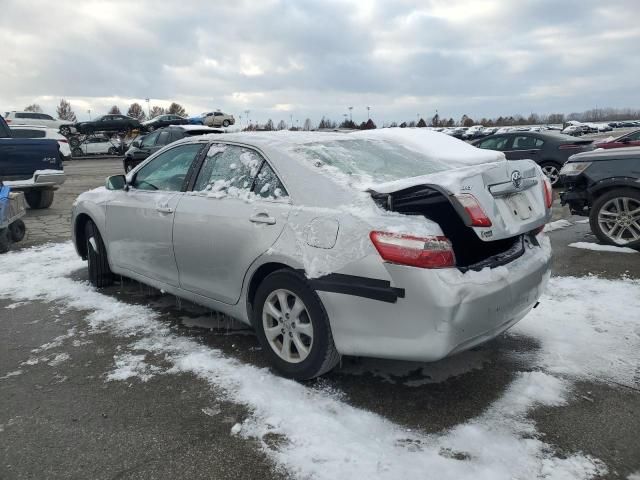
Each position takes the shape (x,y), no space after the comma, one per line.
(617,219)
(150,128)
(112,151)
(98,265)
(552,171)
(321,355)
(17,230)
(39,199)
(74,142)
(5,240)
(77,152)
(225,123)
(65,130)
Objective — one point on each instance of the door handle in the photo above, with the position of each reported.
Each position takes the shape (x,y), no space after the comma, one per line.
(263,218)
(164,209)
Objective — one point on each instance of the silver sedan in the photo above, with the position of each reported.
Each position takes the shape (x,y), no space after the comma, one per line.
(396,243)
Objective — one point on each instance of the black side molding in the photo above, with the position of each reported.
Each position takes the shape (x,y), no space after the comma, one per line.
(372,288)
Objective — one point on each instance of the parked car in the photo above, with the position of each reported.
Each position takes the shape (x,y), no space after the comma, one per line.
(97,145)
(605,186)
(37,131)
(32,118)
(213,119)
(473,132)
(143,147)
(573,130)
(109,123)
(458,132)
(258,226)
(627,140)
(163,121)
(32,166)
(549,150)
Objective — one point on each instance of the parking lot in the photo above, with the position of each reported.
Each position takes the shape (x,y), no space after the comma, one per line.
(132,383)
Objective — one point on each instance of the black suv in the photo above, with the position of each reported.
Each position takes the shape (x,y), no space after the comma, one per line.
(605,185)
(549,150)
(143,147)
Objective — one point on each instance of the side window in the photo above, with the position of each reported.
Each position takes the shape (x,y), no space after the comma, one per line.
(150,140)
(168,170)
(634,137)
(163,139)
(44,116)
(228,169)
(525,142)
(267,183)
(497,143)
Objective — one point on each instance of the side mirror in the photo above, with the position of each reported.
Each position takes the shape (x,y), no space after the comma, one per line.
(136,143)
(116,182)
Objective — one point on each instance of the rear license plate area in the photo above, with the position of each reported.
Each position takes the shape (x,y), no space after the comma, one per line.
(519,206)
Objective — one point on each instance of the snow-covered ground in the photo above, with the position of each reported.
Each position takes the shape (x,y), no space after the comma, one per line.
(602,248)
(580,337)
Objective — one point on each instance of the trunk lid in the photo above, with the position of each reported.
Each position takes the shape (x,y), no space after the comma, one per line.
(511,194)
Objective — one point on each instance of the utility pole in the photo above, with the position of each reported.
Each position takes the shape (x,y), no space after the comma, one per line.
(246,112)
(368,108)
(89,112)
(291,116)
(350,114)
(148,100)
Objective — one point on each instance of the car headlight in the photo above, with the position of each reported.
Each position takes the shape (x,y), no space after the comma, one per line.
(574,168)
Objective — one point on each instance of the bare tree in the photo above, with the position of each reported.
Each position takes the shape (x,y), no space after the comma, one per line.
(64,111)
(176,109)
(136,111)
(307,125)
(282,125)
(156,111)
(114,110)
(269,125)
(34,107)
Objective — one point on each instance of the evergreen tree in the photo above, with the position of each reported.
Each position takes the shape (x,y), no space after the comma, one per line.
(269,125)
(421,123)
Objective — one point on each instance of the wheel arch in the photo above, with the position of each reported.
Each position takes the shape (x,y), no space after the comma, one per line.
(79,234)
(257,277)
(609,184)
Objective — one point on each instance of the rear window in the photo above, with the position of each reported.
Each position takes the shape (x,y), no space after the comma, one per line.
(28,133)
(371,160)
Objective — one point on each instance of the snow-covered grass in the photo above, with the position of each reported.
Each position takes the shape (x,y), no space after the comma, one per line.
(326,438)
(602,248)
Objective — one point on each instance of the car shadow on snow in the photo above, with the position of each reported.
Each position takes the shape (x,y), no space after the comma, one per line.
(428,396)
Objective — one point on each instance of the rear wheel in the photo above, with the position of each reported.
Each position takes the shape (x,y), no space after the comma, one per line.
(5,240)
(77,152)
(74,141)
(552,171)
(65,130)
(293,327)
(615,217)
(99,272)
(17,230)
(39,199)
(112,151)
(226,123)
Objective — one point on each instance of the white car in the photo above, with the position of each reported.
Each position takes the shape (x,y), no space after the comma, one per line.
(33,118)
(38,131)
(97,145)
(574,130)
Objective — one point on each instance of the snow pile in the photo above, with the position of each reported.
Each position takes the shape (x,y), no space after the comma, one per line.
(602,248)
(327,438)
(557,225)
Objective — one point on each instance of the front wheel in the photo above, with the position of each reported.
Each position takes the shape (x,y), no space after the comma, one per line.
(99,272)
(77,152)
(65,130)
(112,151)
(17,230)
(293,327)
(39,199)
(615,218)
(226,123)
(552,171)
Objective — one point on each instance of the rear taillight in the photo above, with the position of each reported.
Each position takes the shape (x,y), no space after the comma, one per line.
(475,211)
(63,141)
(572,146)
(548,192)
(423,252)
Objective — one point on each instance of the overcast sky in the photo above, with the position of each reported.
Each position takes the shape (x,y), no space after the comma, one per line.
(308,59)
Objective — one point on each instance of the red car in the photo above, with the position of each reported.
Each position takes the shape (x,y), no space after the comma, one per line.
(628,140)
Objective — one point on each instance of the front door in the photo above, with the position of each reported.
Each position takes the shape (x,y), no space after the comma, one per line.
(140,220)
(236,212)
(525,147)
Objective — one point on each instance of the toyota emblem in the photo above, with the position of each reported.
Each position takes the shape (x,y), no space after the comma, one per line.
(516,178)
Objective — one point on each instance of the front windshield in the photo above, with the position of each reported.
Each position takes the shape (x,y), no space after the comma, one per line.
(371,160)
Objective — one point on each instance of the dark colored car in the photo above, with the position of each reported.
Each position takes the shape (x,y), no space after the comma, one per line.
(628,140)
(549,150)
(108,123)
(605,185)
(141,148)
(162,121)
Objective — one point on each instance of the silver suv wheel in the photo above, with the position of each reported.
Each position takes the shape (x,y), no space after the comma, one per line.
(287,326)
(619,220)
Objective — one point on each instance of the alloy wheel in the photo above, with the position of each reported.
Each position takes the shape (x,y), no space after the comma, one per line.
(287,326)
(619,220)
(552,173)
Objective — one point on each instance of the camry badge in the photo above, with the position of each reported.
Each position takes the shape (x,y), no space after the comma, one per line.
(516,178)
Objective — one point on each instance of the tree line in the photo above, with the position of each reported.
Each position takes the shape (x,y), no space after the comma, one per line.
(135,110)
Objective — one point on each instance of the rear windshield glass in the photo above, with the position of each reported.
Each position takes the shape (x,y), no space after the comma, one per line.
(377,160)
(26,133)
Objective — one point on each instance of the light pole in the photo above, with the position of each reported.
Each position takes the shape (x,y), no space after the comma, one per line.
(291,120)
(148,100)
(368,108)
(246,112)
(350,114)
(89,112)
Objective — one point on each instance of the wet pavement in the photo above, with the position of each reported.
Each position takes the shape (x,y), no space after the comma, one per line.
(61,417)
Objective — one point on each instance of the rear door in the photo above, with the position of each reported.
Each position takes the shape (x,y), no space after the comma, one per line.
(140,219)
(525,146)
(235,213)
